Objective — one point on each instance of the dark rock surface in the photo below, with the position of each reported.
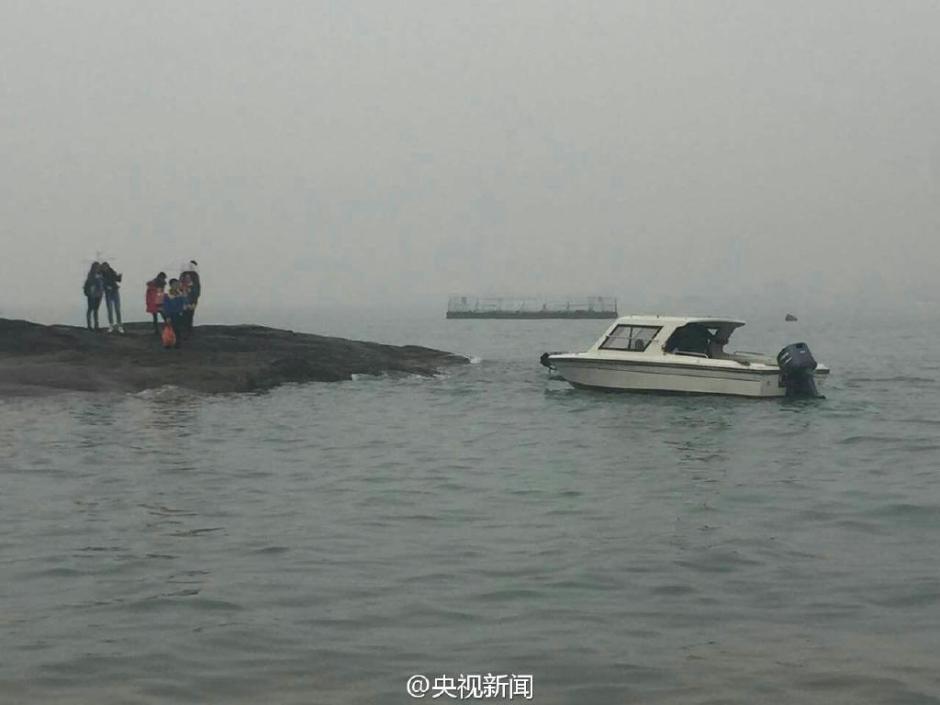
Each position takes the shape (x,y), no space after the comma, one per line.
(36,358)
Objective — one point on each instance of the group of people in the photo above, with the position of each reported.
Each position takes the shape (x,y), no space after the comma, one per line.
(103,282)
(174,301)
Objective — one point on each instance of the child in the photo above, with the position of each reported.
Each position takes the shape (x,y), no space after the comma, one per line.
(173,303)
(154,298)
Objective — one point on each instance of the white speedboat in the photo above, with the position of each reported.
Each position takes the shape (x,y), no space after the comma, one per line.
(673,354)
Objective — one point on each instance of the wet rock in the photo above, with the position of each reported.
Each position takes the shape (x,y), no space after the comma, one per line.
(246,358)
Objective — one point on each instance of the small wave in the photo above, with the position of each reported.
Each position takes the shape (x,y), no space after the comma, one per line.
(909,445)
(903,379)
(669,589)
(508,594)
(161,510)
(718,562)
(168,392)
(857,440)
(906,510)
(475,360)
(394,375)
(198,532)
(271,550)
(923,422)
(908,597)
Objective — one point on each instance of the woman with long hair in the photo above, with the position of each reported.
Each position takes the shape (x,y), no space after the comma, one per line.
(154,299)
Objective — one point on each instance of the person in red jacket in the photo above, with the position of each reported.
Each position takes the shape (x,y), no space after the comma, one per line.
(154,298)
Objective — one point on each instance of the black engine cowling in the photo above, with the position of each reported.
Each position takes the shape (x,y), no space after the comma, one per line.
(796,370)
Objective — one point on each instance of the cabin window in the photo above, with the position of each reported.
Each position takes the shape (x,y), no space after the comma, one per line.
(692,339)
(633,338)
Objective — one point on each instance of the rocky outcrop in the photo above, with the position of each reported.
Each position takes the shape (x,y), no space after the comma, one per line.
(36,358)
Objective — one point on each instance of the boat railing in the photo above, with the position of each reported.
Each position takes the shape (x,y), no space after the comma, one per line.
(749,356)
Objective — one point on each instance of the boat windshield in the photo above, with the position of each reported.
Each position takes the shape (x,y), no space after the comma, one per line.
(633,338)
(696,339)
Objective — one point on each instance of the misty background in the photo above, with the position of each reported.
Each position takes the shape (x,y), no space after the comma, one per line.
(376,154)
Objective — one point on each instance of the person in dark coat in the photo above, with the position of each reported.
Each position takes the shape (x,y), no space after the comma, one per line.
(94,290)
(112,297)
(174,302)
(154,298)
(192,287)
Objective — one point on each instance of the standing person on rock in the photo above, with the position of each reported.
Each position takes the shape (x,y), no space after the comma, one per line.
(112,297)
(94,290)
(185,286)
(193,289)
(154,298)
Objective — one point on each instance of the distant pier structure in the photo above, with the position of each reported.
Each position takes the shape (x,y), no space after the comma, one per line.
(586,307)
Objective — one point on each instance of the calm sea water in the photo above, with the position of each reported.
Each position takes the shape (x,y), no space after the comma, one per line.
(322,543)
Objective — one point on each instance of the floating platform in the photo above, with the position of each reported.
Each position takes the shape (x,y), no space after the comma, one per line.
(601,307)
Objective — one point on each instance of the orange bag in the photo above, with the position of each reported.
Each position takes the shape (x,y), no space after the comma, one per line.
(169,337)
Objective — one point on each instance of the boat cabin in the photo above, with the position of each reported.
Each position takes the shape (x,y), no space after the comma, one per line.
(658,335)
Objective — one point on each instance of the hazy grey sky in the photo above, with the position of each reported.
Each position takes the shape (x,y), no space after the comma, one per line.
(383,153)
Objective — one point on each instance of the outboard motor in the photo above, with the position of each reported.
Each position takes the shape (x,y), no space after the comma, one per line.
(796,370)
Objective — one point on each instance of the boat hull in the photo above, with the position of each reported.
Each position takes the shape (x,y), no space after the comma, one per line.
(654,377)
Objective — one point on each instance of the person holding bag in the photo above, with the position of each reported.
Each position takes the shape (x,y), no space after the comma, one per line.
(174,303)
